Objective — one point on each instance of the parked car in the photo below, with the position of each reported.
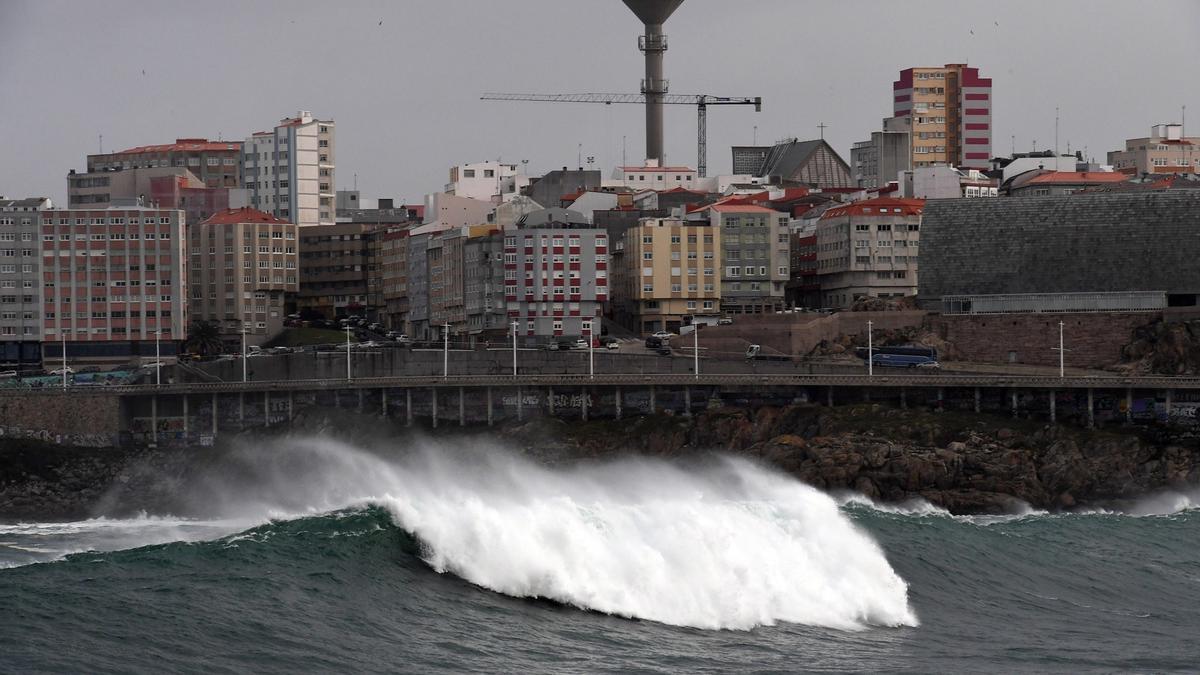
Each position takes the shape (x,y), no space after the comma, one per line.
(664,335)
(402,339)
(377,327)
(725,321)
(59,371)
(581,343)
(607,340)
(612,345)
(8,373)
(552,346)
(653,342)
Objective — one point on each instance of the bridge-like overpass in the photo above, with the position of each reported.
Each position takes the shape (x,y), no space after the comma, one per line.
(197,412)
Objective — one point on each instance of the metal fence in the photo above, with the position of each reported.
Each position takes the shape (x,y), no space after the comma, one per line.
(1035,303)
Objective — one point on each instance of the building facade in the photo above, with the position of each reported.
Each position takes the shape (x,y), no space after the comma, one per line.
(879,161)
(217,164)
(492,182)
(333,269)
(483,283)
(243,273)
(869,249)
(112,280)
(289,172)
(1165,150)
(951,112)
(755,257)
(555,274)
(666,271)
(21,280)
(653,177)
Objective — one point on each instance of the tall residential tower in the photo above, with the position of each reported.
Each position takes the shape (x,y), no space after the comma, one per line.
(951,112)
(289,172)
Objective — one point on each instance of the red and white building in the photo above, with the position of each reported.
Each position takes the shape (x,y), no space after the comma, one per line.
(555,274)
(951,112)
(112,279)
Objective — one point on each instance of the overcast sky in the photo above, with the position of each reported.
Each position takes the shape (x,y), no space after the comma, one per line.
(405,93)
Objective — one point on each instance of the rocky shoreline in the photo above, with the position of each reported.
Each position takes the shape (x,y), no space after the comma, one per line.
(965,463)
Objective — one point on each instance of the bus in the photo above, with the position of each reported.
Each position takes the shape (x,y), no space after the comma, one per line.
(908,356)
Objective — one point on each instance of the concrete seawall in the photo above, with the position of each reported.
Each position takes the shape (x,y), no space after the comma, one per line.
(85,420)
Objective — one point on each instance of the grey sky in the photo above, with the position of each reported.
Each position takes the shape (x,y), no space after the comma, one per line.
(405,93)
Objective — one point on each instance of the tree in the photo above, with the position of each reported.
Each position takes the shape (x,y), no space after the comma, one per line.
(204,338)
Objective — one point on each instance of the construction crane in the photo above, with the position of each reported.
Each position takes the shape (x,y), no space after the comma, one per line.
(701,101)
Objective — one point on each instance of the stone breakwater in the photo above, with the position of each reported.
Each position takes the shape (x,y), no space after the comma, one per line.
(963,462)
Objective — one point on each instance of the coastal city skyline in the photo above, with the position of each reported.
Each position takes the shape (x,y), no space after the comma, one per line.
(401,126)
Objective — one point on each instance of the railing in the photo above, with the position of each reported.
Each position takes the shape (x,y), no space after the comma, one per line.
(636,379)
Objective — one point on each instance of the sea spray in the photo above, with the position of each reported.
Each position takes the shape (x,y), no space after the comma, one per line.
(718,544)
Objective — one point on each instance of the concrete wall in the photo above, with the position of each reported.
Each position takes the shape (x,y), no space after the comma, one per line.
(1094,340)
(92,420)
(797,334)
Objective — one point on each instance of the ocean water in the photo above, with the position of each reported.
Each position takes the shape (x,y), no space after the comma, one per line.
(317,556)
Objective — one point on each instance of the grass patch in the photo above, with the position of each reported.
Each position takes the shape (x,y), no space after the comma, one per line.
(302,337)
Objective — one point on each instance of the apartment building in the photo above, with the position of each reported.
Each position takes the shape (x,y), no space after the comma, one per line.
(447,304)
(651,176)
(755,257)
(243,272)
(289,172)
(217,164)
(112,280)
(483,283)
(951,112)
(489,181)
(1165,150)
(333,262)
(665,272)
(878,161)
(869,248)
(21,280)
(555,274)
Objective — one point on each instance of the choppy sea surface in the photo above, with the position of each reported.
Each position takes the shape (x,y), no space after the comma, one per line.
(324,557)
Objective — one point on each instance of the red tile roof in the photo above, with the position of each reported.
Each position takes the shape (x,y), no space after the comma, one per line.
(874,207)
(245,214)
(676,190)
(185,145)
(1079,177)
(742,208)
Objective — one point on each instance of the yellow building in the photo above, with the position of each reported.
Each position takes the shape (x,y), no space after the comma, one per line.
(668,269)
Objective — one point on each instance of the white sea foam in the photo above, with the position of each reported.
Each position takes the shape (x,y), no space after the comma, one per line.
(732,545)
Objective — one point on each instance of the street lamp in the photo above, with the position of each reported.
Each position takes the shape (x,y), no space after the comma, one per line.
(514,328)
(870,352)
(445,350)
(348,332)
(591,357)
(696,348)
(245,360)
(63,335)
(157,358)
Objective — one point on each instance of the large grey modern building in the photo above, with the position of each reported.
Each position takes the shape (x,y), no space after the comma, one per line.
(1078,252)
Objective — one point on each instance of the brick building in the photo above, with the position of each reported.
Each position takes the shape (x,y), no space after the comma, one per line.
(112,279)
(333,269)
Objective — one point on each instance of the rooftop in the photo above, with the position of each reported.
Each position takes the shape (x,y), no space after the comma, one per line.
(185,145)
(651,169)
(879,206)
(1078,177)
(243,215)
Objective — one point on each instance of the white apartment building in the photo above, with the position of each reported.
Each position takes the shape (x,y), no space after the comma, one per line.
(289,172)
(651,176)
(487,181)
(869,248)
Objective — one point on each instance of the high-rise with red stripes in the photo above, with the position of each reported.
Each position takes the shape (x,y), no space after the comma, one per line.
(951,112)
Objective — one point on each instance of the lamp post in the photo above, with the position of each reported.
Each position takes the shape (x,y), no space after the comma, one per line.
(514,329)
(1061,352)
(244,355)
(591,357)
(348,332)
(63,334)
(696,349)
(157,358)
(870,351)
(446,350)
